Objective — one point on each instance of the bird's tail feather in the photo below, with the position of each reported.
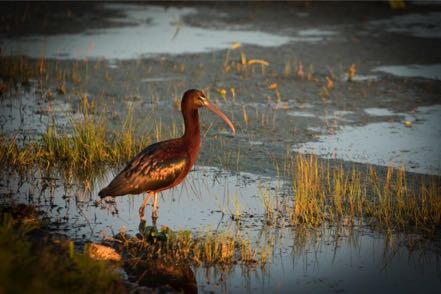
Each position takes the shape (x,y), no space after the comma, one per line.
(117,187)
(104,192)
(112,191)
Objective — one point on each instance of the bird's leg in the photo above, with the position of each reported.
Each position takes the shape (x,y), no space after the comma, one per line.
(142,208)
(155,206)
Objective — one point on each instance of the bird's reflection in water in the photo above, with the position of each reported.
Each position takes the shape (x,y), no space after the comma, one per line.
(159,271)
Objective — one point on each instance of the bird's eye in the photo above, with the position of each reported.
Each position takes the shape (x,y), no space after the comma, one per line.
(202,101)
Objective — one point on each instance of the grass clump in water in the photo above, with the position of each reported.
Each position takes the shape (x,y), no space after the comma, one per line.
(186,249)
(18,69)
(337,195)
(329,194)
(157,257)
(88,144)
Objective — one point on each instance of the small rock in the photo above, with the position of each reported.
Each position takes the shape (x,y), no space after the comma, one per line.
(101,252)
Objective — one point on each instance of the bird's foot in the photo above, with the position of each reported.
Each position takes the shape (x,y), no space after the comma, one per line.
(142,225)
(141,213)
(154,215)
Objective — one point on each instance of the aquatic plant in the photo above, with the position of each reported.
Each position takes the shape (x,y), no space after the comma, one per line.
(19,69)
(183,247)
(334,194)
(87,144)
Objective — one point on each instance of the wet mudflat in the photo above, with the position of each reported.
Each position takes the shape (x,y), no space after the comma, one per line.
(347,87)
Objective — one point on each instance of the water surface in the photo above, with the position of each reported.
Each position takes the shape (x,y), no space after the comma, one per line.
(431,71)
(144,30)
(320,260)
(414,146)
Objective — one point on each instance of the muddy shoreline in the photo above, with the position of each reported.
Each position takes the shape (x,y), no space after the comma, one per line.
(152,83)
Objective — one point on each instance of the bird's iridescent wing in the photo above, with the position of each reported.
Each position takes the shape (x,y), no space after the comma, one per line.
(155,168)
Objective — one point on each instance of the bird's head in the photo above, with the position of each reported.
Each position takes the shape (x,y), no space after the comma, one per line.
(195,99)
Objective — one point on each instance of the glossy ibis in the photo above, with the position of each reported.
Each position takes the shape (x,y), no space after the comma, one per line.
(165,164)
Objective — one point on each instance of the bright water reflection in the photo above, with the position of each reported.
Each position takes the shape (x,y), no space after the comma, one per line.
(387,143)
(143,30)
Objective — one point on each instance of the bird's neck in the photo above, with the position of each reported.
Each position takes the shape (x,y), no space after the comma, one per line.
(192,136)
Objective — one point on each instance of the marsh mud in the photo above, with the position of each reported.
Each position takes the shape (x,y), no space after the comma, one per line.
(358,84)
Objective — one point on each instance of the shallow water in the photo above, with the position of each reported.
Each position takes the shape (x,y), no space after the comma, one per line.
(144,31)
(377,111)
(316,33)
(207,197)
(300,114)
(360,78)
(338,115)
(418,25)
(323,260)
(431,71)
(147,30)
(28,113)
(356,263)
(387,143)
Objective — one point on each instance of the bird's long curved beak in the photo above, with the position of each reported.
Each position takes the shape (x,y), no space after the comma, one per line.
(221,115)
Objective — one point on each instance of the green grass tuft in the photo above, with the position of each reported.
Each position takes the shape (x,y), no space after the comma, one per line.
(35,264)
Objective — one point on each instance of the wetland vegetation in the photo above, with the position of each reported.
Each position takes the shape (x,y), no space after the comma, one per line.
(47,262)
(67,125)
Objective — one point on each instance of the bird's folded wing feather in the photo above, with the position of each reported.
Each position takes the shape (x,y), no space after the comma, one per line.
(155,168)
